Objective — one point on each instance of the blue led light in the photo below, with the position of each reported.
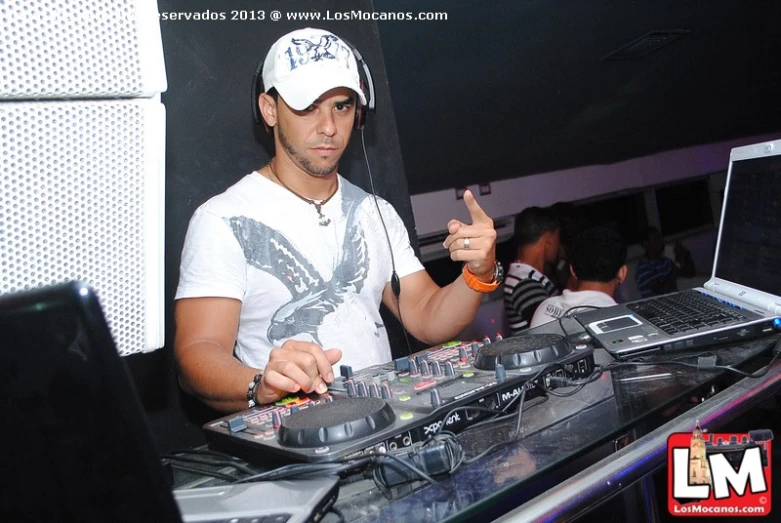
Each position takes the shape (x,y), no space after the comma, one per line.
(777,323)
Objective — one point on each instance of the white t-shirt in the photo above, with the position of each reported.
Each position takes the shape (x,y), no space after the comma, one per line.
(259,243)
(555,307)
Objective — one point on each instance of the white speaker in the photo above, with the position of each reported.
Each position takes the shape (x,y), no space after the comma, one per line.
(82,197)
(80,49)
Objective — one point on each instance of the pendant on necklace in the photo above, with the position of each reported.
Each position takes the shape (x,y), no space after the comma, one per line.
(324,220)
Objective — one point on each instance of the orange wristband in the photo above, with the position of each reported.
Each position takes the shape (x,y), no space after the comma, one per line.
(475,284)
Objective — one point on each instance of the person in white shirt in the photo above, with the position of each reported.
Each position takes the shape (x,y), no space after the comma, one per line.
(598,263)
(283,274)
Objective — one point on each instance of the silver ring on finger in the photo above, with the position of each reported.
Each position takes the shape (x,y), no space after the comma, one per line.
(466,243)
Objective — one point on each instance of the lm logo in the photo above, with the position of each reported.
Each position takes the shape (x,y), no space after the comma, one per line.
(720,474)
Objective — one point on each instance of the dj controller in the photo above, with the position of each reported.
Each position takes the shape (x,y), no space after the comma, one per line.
(386,407)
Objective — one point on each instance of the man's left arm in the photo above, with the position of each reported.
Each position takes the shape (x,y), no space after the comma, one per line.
(436,314)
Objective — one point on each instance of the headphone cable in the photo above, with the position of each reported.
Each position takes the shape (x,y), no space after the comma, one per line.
(395,281)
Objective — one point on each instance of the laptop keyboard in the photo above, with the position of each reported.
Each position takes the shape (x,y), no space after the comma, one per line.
(688,311)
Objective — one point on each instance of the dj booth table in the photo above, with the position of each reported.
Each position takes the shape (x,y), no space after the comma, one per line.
(578,451)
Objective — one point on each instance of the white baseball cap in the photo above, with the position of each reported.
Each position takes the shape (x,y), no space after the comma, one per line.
(304,64)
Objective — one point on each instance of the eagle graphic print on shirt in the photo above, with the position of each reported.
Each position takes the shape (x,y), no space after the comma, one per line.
(311,296)
(261,245)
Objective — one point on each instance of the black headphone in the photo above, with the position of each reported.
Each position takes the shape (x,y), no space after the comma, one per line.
(361,111)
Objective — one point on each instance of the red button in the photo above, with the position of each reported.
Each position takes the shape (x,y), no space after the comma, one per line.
(424,385)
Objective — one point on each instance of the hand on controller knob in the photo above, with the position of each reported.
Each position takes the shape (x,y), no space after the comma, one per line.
(297,366)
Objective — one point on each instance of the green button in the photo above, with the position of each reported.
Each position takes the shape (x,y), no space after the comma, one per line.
(404,380)
(449,344)
(468,374)
(406,415)
(404,397)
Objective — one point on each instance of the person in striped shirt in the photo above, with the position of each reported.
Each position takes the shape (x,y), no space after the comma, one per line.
(525,285)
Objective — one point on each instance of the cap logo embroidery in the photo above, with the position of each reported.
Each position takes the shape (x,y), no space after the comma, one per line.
(304,51)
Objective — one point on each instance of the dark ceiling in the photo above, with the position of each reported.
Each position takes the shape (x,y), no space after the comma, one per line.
(506,88)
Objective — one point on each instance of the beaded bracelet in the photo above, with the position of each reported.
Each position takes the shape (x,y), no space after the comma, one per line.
(253,390)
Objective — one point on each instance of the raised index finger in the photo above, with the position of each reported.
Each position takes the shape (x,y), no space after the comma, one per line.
(475,211)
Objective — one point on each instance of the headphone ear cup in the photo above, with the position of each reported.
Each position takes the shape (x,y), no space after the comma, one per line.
(360,111)
(360,116)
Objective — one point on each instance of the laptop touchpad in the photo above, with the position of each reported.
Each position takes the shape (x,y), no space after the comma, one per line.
(614,324)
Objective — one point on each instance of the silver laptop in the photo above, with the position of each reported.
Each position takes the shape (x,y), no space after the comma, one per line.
(77,443)
(280,501)
(740,300)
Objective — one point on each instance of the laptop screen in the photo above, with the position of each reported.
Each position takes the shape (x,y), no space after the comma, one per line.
(76,446)
(750,245)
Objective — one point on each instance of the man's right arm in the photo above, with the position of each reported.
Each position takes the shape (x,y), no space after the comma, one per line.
(205,334)
(206,331)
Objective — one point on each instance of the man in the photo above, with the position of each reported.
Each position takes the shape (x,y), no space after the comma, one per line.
(283,274)
(656,273)
(526,286)
(571,223)
(598,265)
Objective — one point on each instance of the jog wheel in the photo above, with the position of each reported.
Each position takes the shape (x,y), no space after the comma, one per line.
(522,351)
(335,422)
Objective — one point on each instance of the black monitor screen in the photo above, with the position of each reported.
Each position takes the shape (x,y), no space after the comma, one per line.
(74,437)
(750,247)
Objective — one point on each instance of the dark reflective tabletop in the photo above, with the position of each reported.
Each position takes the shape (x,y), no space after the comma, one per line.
(560,436)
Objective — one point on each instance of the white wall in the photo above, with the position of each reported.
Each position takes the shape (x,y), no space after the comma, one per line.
(508,197)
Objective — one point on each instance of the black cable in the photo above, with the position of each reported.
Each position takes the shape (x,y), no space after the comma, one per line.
(205,472)
(395,281)
(469,461)
(381,485)
(578,384)
(498,414)
(447,442)
(500,417)
(515,435)
(351,466)
(453,447)
(567,314)
(411,467)
(207,452)
(217,463)
(329,468)
(465,408)
(729,368)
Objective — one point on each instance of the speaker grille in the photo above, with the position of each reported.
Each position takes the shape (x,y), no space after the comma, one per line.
(80,49)
(81,198)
